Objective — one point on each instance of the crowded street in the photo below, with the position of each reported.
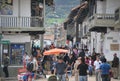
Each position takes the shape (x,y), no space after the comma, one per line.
(59,40)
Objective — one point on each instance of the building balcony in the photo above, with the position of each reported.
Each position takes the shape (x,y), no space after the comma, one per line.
(100,22)
(22,24)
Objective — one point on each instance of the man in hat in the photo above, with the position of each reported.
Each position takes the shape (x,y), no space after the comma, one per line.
(61,69)
(6,63)
(115,66)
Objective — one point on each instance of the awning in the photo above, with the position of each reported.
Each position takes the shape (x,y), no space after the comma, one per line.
(78,15)
(82,13)
(71,16)
(74,12)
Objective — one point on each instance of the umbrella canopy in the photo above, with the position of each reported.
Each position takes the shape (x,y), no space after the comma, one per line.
(55,51)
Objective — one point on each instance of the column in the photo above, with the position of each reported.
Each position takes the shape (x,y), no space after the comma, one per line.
(41,41)
(77,33)
(0,48)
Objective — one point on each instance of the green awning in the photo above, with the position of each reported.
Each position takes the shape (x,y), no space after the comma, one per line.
(5,42)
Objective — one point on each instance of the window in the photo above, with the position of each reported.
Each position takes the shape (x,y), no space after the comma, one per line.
(117,14)
(16,54)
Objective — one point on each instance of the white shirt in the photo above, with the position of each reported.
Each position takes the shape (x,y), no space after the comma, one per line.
(35,67)
(90,62)
(97,64)
(26,59)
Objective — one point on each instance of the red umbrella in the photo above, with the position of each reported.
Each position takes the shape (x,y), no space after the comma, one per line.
(55,51)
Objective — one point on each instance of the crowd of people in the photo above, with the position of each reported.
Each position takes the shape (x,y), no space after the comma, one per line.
(78,62)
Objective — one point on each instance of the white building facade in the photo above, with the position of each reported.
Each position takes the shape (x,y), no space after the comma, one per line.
(103,37)
(21,22)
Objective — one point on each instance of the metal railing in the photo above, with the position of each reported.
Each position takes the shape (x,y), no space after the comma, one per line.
(105,20)
(102,16)
(19,22)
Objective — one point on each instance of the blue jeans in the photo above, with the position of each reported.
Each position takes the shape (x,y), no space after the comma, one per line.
(83,78)
(90,69)
(61,77)
(105,77)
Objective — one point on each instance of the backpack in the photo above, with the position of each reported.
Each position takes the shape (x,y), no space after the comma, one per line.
(30,66)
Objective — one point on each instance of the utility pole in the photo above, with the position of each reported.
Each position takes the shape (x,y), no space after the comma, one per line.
(0,47)
(42,35)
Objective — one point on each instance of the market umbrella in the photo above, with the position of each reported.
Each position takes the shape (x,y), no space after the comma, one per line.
(55,51)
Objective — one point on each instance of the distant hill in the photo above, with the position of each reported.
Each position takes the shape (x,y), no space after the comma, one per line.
(61,11)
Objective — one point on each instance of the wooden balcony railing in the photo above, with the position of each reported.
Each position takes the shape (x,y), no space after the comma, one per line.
(20,22)
(101,20)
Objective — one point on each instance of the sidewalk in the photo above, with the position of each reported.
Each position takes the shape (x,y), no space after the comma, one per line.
(72,79)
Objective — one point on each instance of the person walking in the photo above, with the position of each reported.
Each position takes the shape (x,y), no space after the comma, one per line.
(35,66)
(26,59)
(90,68)
(61,69)
(115,66)
(82,53)
(105,69)
(82,67)
(97,64)
(72,59)
(6,63)
(52,64)
(76,70)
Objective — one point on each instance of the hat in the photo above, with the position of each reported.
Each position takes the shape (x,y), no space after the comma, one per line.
(104,60)
(60,58)
(115,54)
